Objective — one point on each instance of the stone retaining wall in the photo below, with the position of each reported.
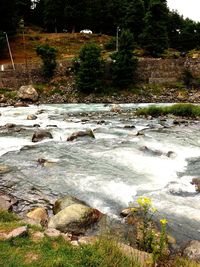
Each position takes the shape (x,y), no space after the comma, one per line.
(160,71)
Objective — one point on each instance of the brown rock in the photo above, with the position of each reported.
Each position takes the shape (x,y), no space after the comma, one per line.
(31,117)
(41,135)
(86,133)
(39,215)
(51,232)
(7,202)
(18,232)
(192,250)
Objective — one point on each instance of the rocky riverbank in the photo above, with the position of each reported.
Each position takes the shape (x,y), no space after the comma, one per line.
(51,93)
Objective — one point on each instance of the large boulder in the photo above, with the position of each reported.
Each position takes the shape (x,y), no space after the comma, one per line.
(65,202)
(86,133)
(40,135)
(192,250)
(28,92)
(76,218)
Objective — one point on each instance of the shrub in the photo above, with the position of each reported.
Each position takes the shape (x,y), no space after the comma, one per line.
(48,56)
(110,44)
(88,68)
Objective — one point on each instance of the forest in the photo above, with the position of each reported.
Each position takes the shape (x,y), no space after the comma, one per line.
(154,26)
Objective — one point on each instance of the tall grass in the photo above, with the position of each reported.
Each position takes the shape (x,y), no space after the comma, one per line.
(181,110)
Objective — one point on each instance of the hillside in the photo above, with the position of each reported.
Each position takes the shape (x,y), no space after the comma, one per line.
(67,44)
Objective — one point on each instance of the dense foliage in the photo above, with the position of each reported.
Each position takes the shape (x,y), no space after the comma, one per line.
(48,56)
(124,63)
(154,27)
(89,68)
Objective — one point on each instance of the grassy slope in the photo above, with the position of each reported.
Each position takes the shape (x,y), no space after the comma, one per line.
(67,44)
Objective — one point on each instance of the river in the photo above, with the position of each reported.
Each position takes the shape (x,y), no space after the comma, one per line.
(107,172)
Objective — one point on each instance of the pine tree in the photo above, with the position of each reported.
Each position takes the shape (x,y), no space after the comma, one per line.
(89,71)
(154,37)
(124,63)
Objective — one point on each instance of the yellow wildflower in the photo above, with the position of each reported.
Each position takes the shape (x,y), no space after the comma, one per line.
(144,201)
(163,221)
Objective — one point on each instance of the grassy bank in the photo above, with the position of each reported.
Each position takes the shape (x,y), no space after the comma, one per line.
(57,252)
(180,110)
(26,251)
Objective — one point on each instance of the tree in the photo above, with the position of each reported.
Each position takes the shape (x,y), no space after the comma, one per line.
(89,71)
(124,63)
(48,56)
(2,41)
(133,19)
(154,37)
(8,16)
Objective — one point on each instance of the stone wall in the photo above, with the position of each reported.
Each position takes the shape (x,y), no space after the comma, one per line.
(160,71)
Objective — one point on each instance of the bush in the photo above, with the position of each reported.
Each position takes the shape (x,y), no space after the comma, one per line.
(48,56)
(111,44)
(88,68)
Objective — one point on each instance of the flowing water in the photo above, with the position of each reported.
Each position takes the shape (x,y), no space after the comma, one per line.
(109,171)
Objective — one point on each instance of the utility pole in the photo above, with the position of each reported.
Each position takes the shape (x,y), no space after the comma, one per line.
(21,25)
(117,39)
(10,52)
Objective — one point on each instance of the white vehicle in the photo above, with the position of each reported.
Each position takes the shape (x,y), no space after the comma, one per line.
(86,31)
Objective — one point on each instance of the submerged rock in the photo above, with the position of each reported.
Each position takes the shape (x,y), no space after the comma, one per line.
(20,104)
(86,133)
(40,135)
(31,117)
(76,218)
(155,152)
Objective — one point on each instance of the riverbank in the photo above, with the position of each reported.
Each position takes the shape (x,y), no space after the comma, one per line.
(59,92)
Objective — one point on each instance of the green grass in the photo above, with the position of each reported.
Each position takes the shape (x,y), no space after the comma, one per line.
(182,262)
(57,252)
(181,110)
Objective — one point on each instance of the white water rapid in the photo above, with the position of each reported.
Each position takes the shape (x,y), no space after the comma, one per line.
(109,171)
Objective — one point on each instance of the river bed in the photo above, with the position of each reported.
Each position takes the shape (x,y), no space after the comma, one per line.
(107,172)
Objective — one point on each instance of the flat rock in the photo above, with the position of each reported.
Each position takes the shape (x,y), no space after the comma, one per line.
(18,232)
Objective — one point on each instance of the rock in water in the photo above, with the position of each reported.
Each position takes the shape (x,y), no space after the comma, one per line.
(40,135)
(85,133)
(28,92)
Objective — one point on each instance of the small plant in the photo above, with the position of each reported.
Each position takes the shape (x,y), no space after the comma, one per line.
(151,240)
(48,56)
